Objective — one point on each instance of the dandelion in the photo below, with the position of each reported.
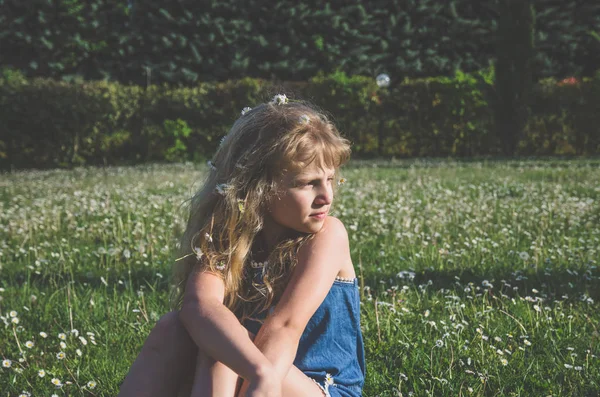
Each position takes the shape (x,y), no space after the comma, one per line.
(43,334)
(383,80)
(29,344)
(61,355)
(524,255)
(504,361)
(41,373)
(56,382)
(91,384)
(439,343)
(6,363)
(62,336)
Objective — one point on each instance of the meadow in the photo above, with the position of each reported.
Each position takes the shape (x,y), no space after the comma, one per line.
(477,278)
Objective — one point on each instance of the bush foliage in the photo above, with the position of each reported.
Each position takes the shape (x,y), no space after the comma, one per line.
(187,41)
(49,123)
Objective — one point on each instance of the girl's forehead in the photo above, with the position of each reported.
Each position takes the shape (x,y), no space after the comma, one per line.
(312,170)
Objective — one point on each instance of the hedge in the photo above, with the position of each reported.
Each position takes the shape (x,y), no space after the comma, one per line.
(47,123)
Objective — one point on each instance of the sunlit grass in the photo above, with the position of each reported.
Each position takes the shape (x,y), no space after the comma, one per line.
(477,278)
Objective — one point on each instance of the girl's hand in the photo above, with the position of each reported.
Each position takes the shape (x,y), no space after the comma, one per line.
(265,386)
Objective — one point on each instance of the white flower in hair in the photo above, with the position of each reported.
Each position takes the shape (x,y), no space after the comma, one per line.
(198,252)
(258,265)
(304,119)
(246,110)
(221,188)
(279,99)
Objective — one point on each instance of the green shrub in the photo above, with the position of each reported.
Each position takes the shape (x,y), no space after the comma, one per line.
(45,123)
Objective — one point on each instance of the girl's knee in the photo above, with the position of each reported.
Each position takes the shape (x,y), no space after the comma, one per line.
(169,330)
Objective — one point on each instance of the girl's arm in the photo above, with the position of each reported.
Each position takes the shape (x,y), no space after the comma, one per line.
(216,330)
(319,262)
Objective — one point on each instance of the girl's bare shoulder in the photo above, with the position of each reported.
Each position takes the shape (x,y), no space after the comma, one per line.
(331,245)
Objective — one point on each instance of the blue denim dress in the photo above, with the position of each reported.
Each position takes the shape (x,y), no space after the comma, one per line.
(331,350)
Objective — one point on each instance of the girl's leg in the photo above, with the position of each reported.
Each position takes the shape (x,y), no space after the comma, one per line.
(212,379)
(295,384)
(167,358)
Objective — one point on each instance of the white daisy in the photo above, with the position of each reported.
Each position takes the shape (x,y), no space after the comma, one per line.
(279,99)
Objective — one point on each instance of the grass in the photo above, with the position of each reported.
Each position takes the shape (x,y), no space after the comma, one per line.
(477,278)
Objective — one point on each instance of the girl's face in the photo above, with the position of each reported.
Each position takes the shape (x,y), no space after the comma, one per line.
(302,202)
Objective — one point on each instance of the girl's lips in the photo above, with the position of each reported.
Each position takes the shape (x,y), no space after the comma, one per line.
(320,215)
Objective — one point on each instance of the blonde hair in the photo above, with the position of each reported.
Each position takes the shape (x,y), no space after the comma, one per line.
(226,214)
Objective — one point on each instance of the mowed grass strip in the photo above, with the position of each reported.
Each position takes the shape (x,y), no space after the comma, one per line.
(477,278)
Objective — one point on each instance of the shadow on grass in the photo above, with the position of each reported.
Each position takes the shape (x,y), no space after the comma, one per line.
(575,283)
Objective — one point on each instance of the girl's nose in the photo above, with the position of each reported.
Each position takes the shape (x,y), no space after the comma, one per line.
(325,196)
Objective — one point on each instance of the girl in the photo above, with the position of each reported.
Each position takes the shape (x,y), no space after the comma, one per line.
(265,286)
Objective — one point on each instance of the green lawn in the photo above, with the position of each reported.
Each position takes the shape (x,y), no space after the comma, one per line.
(477,278)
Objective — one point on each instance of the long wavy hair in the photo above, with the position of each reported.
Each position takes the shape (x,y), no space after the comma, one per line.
(227,213)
